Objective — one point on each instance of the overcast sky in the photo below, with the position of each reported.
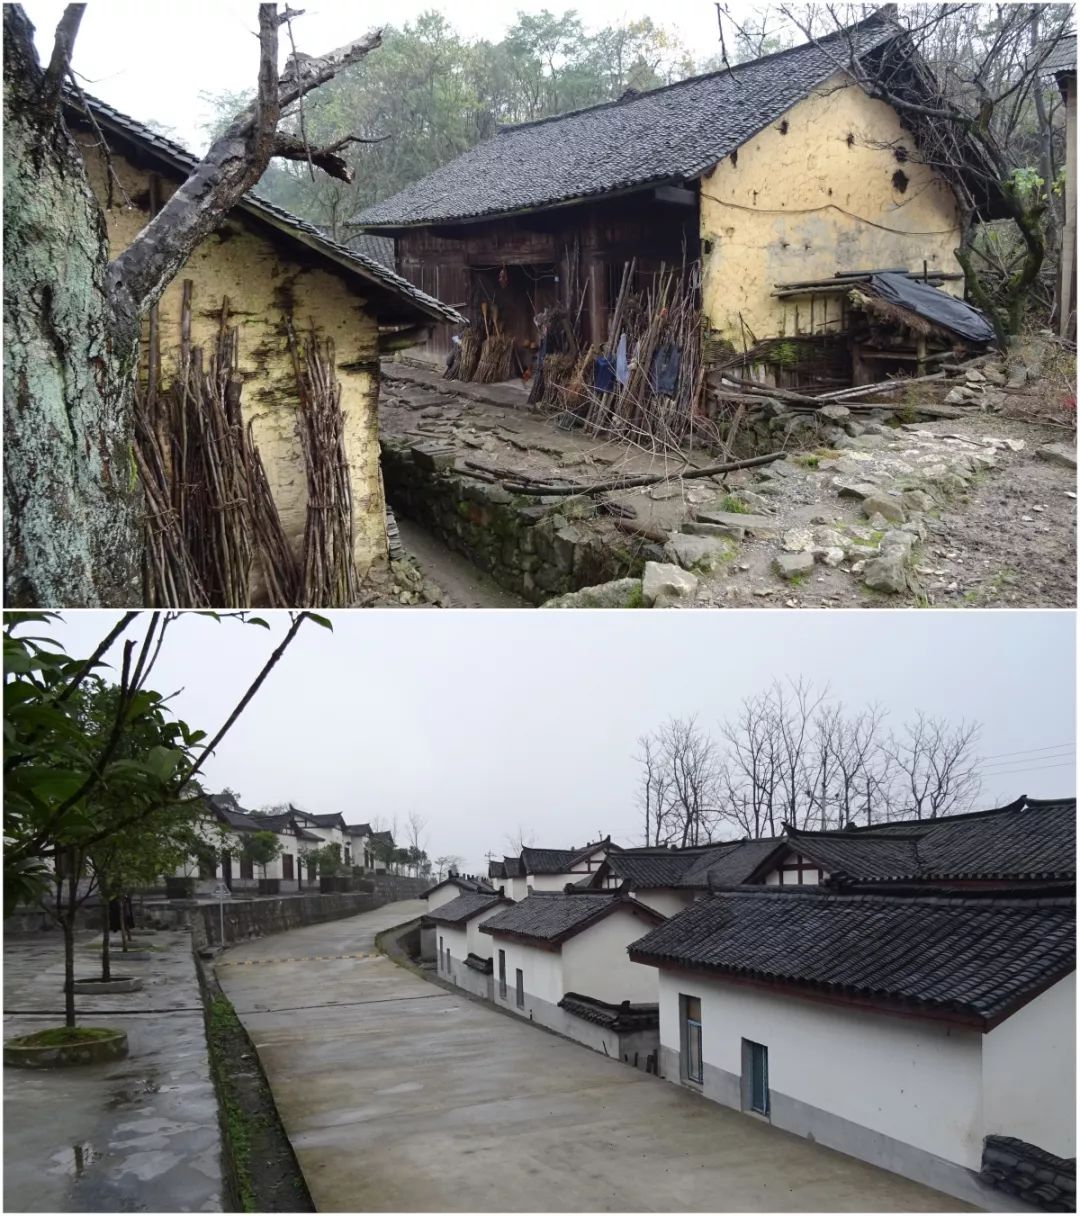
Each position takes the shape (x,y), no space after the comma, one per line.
(151,59)
(483,721)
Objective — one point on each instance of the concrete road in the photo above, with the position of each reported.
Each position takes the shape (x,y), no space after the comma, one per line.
(134,1135)
(400,1096)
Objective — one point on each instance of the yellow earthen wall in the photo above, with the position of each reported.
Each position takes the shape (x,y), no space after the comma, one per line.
(263,283)
(799,205)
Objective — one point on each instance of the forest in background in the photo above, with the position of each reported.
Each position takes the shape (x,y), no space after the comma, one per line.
(429,94)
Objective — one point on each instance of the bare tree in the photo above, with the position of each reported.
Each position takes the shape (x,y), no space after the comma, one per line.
(72,317)
(520,838)
(680,783)
(449,863)
(793,755)
(935,767)
(654,793)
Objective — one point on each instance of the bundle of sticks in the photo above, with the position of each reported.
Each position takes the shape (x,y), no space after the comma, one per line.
(658,327)
(191,455)
(210,512)
(328,570)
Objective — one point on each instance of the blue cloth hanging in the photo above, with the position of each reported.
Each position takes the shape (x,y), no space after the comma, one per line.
(604,374)
(665,369)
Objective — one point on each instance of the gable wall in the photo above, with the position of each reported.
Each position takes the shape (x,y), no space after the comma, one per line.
(264,285)
(796,206)
(595,962)
(903,1093)
(443,896)
(1029,1072)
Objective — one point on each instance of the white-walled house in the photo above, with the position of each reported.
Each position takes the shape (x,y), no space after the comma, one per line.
(560,959)
(903,1031)
(451,887)
(537,869)
(671,879)
(463,954)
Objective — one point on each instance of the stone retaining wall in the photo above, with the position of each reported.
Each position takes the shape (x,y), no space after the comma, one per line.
(536,548)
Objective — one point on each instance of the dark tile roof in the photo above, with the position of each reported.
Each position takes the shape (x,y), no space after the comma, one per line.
(461,882)
(230,812)
(497,869)
(642,868)
(1027,840)
(730,865)
(465,907)
(384,835)
(378,248)
(552,917)
(623,1019)
(1029,1173)
(976,958)
(330,820)
(484,965)
(358,829)
(671,134)
(513,867)
(1061,56)
(393,297)
(556,861)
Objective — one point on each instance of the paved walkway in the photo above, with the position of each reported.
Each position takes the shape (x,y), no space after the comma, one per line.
(139,1134)
(400,1096)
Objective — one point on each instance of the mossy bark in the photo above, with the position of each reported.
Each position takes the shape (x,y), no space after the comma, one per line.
(71,532)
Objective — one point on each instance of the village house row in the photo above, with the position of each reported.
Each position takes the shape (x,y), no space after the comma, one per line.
(903,993)
(764,186)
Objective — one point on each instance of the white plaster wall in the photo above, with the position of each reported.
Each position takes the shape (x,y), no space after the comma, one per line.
(595,962)
(552,882)
(663,900)
(452,939)
(914,1080)
(443,896)
(479,943)
(542,968)
(1029,1072)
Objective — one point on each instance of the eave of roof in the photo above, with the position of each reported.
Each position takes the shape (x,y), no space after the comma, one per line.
(976,1010)
(411,303)
(555,940)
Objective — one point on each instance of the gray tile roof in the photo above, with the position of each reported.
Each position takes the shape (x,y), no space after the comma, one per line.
(671,134)
(461,882)
(552,917)
(358,829)
(467,905)
(1061,56)
(393,297)
(623,1019)
(1028,840)
(729,865)
(232,813)
(644,868)
(378,248)
(976,958)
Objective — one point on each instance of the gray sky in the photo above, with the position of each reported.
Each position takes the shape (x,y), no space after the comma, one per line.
(151,59)
(481,721)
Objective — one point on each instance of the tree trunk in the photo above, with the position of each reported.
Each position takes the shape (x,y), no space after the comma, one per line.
(70,506)
(106,969)
(67,926)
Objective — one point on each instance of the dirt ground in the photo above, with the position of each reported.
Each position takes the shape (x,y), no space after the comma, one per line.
(1007,540)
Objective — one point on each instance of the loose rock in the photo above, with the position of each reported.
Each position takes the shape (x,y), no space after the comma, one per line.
(663,584)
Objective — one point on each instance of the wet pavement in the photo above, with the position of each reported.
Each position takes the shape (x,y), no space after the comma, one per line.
(400,1096)
(134,1135)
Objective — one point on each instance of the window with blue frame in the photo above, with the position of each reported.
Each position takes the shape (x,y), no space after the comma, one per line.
(756,1077)
(693,1068)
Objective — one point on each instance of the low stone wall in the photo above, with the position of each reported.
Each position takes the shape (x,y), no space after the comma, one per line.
(537,548)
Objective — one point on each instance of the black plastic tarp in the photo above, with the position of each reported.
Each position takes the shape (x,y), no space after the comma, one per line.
(935,305)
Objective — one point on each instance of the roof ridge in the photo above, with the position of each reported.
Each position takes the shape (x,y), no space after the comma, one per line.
(838,897)
(878,17)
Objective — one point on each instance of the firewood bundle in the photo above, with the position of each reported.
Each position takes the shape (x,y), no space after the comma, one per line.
(328,570)
(210,513)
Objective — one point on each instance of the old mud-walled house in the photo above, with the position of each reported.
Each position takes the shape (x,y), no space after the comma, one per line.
(262,274)
(761,184)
